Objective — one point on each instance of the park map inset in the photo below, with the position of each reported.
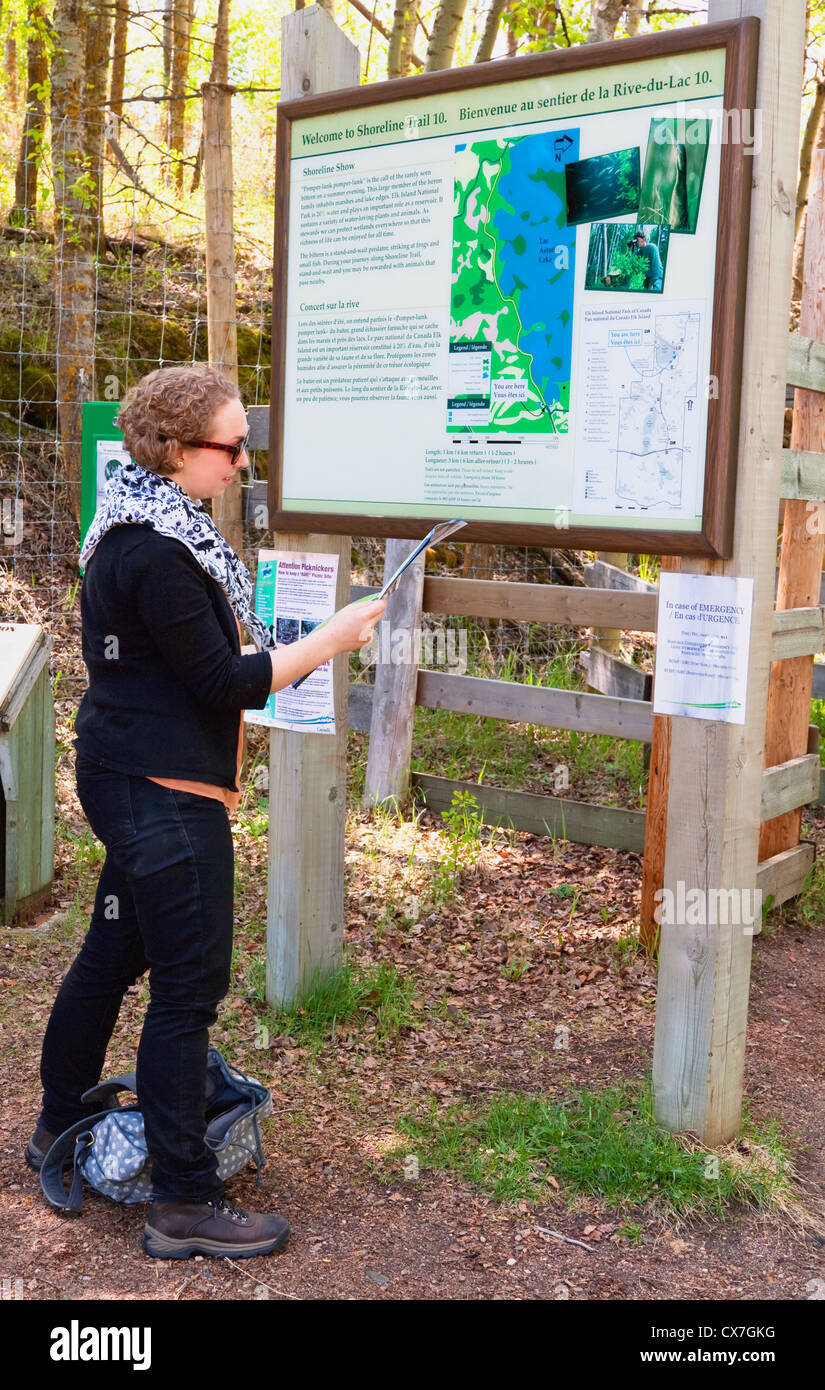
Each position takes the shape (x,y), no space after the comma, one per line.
(511,301)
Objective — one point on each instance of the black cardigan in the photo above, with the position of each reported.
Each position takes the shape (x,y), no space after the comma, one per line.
(167,682)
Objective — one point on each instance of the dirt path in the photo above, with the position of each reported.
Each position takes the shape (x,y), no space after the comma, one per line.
(498,972)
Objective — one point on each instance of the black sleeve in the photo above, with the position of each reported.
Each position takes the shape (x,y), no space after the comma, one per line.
(171,594)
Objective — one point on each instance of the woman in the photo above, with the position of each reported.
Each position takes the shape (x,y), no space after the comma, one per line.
(158,740)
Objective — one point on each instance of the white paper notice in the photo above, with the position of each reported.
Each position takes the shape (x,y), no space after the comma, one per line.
(110,455)
(702,646)
(294,593)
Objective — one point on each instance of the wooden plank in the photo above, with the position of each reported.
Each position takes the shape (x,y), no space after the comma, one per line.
(609,675)
(601,575)
(24,650)
(393,706)
(47,792)
(258,417)
(803,475)
(716,767)
(540,815)
(658,791)
(359,706)
(798,632)
(806,357)
(533,704)
(818,688)
(803,545)
(221,297)
(791,784)
(8,777)
(308,772)
(543,603)
(782,876)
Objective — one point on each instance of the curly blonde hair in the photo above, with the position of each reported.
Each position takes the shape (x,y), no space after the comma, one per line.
(169,407)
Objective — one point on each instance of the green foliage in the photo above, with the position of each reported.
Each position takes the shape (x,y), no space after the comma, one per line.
(354,994)
(462,825)
(810,905)
(597,1143)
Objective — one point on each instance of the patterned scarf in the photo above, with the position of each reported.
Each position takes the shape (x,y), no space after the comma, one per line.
(136,495)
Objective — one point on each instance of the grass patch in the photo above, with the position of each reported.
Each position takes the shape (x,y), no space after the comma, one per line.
(810,905)
(603,1144)
(351,997)
(818,718)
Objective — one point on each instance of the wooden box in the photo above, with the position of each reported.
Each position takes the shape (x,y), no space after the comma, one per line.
(27,761)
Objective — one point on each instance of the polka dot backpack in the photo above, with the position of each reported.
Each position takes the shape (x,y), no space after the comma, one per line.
(108,1151)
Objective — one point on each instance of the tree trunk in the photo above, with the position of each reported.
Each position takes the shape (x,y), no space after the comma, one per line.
(445,29)
(814,131)
(218,75)
(402,35)
(34,123)
(98,44)
(633,16)
(220,53)
(604,20)
(11,70)
(166,8)
(74,233)
(119,58)
(492,24)
(181,36)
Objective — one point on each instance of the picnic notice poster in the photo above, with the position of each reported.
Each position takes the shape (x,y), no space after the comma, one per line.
(295,592)
(702,646)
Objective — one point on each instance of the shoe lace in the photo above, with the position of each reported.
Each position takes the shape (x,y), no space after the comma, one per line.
(223,1208)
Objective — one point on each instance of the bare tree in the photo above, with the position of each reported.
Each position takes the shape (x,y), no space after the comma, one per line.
(166,9)
(11,67)
(814,136)
(492,24)
(604,20)
(402,36)
(218,73)
(181,42)
(98,45)
(634,9)
(74,238)
(446,25)
(34,121)
(121,30)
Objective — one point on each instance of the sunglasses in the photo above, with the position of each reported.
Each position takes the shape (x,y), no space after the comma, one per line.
(234,450)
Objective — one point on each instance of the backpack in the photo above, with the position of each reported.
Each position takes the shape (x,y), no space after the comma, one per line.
(109,1148)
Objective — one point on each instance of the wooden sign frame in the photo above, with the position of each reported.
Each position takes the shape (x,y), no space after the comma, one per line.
(740,39)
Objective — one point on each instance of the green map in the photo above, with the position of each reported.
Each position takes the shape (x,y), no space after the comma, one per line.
(511,297)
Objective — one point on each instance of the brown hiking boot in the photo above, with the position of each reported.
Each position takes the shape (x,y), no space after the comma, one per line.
(176,1230)
(38,1146)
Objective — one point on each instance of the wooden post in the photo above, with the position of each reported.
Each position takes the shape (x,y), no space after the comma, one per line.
(803,539)
(713,823)
(658,786)
(220,272)
(307,783)
(396,679)
(609,639)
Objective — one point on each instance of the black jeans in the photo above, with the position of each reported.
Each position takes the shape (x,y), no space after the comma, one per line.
(164,903)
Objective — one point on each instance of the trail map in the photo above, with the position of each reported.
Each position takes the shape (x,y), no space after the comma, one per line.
(657,413)
(511,300)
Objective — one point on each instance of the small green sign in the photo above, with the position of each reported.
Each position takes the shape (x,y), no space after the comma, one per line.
(101,453)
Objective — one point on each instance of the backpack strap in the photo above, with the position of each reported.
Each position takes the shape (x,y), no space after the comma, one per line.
(76,1141)
(105,1093)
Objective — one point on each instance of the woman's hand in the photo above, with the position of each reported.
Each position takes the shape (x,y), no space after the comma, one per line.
(352,627)
(346,631)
